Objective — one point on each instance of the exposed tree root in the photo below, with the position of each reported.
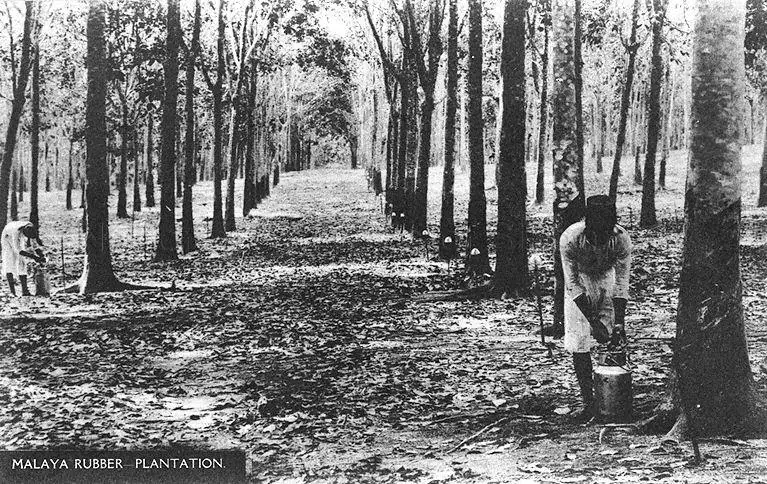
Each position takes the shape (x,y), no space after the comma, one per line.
(478,292)
(76,288)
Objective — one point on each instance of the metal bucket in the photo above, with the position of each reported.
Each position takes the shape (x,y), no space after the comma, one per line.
(612,387)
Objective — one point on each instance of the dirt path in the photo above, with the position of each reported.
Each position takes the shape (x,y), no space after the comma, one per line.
(296,340)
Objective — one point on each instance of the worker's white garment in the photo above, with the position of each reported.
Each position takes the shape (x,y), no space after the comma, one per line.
(600,272)
(13,243)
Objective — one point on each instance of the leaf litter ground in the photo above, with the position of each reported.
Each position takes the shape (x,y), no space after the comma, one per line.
(296,339)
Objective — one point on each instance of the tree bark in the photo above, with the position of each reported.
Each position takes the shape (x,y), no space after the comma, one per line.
(217,228)
(637,167)
(477,259)
(567,173)
(400,207)
(188,242)
(136,207)
(17,108)
(669,106)
(511,275)
(14,201)
(122,176)
(353,151)
(149,196)
(711,354)
(427,74)
(578,83)
(249,190)
(70,180)
(34,211)
(544,108)
(98,274)
(632,49)
(647,217)
(234,149)
(166,243)
(447,215)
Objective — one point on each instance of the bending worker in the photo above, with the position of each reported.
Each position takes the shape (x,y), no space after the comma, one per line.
(596,260)
(20,244)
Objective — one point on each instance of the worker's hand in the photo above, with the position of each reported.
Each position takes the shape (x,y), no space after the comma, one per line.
(619,305)
(618,338)
(40,256)
(599,331)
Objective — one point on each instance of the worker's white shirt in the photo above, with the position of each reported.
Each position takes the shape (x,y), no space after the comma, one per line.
(601,272)
(13,242)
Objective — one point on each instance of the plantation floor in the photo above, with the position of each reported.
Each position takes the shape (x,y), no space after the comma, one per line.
(297,339)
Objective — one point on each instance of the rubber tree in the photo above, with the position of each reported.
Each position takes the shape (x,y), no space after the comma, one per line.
(477,258)
(647,216)
(34,214)
(166,241)
(19,82)
(714,377)
(511,242)
(544,107)
(567,166)
(447,215)
(188,243)
(98,274)
(427,75)
(632,46)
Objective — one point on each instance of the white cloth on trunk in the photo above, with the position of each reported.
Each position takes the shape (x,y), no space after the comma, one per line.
(599,271)
(13,242)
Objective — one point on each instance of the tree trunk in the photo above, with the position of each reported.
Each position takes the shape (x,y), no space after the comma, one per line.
(711,354)
(353,150)
(249,189)
(633,47)
(149,160)
(217,229)
(666,129)
(411,157)
(22,181)
(34,213)
(404,128)
(762,202)
(578,82)
(70,180)
(188,242)
(14,202)
(477,261)
(122,176)
(47,170)
(567,174)
(179,163)
(544,108)
(98,274)
(602,128)
(511,243)
(136,207)
(166,243)
(647,217)
(420,195)
(234,148)
(17,108)
(447,250)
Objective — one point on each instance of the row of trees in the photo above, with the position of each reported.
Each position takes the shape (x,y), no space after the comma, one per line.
(262,85)
(713,121)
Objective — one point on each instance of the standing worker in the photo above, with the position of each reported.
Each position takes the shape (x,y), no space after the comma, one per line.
(21,241)
(596,260)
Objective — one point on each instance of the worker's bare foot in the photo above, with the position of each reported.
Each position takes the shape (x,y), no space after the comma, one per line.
(555,331)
